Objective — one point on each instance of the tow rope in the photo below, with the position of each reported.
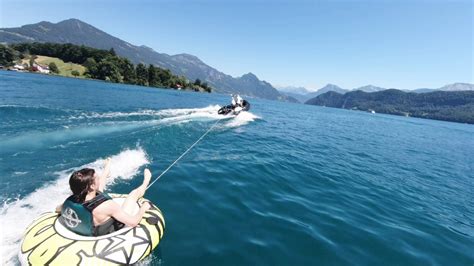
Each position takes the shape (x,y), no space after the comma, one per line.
(184,153)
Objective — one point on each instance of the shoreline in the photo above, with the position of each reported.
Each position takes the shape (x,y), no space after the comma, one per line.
(100,80)
(184,90)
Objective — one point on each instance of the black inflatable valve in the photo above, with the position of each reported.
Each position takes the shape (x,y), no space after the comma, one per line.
(152,220)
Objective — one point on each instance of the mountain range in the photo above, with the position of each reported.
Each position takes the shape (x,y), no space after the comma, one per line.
(80,33)
(303,95)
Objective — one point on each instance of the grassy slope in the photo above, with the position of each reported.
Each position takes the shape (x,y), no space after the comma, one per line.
(65,69)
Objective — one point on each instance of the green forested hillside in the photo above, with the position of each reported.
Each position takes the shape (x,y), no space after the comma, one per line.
(456,106)
(100,64)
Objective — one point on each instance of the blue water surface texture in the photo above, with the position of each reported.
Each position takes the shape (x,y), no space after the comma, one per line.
(283,184)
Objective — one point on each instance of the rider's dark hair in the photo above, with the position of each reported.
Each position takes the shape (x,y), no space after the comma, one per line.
(80,183)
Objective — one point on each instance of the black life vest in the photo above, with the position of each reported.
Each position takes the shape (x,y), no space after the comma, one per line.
(77,217)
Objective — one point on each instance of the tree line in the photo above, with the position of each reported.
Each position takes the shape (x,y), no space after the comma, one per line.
(101,64)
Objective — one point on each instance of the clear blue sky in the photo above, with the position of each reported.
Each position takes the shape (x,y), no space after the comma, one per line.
(392,44)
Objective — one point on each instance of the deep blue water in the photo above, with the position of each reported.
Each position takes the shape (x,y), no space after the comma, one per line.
(286,184)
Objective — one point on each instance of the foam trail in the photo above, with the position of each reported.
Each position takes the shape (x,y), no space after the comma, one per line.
(41,139)
(195,113)
(211,109)
(241,119)
(210,112)
(146,112)
(17,215)
(31,140)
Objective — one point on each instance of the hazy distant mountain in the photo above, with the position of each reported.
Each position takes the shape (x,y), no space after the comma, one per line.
(302,94)
(369,88)
(458,87)
(328,87)
(423,90)
(293,90)
(297,93)
(77,32)
(449,87)
(298,97)
(291,99)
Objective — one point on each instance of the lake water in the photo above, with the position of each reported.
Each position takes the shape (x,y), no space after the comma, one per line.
(283,184)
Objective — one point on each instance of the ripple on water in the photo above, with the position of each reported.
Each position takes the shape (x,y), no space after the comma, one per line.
(294,185)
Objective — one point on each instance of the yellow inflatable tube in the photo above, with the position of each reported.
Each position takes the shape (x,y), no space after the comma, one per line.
(47,241)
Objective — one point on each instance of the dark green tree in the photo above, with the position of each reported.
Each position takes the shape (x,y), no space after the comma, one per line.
(206,87)
(128,72)
(142,75)
(75,73)
(107,70)
(7,55)
(91,66)
(153,79)
(165,77)
(53,68)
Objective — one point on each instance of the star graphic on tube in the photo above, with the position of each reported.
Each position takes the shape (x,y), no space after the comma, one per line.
(124,243)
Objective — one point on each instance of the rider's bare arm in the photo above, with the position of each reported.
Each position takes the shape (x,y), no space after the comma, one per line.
(130,220)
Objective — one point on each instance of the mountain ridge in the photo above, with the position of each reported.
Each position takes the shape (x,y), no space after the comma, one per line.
(78,32)
(303,95)
(454,106)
